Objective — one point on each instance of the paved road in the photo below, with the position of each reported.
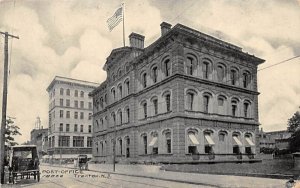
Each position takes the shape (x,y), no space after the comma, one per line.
(57,177)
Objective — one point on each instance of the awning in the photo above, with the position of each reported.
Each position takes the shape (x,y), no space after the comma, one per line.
(209,139)
(237,141)
(193,139)
(249,141)
(153,141)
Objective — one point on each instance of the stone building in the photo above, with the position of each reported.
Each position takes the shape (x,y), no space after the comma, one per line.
(186,97)
(70,117)
(274,139)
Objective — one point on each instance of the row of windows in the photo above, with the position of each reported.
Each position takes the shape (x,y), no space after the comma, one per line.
(156,106)
(117,118)
(225,106)
(64,141)
(122,90)
(67,92)
(154,75)
(155,143)
(224,74)
(77,115)
(76,103)
(75,128)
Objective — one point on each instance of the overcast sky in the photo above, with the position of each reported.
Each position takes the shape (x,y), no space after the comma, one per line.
(70,38)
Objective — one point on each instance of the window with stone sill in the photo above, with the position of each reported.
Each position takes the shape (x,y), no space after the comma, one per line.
(220,73)
(154,74)
(190,101)
(167,67)
(191,66)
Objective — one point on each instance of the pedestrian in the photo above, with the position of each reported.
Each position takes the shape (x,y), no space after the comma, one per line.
(290,183)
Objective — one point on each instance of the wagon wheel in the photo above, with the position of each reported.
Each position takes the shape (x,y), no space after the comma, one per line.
(38,176)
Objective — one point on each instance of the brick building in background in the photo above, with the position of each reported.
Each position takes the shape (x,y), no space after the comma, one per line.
(186,97)
(70,118)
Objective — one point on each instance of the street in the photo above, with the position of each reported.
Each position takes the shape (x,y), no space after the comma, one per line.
(53,177)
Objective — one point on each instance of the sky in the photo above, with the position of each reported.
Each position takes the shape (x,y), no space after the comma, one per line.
(70,38)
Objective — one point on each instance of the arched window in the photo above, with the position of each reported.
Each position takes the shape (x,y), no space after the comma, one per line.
(168,102)
(221,105)
(144,109)
(144,143)
(120,117)
(234,107)
(246,107)
(167,67)
(206,102)
(113,117)
(155,105)
(144,79)
(168,141)
(120,91)
(192,141)
(222,136)
(120,72)
(206,69)
(190,100)
(113,93)
(190,65)
(208,141)
(233,76)
(81,94)
(127,87)
(154,74)
(127,146)
(220,73)
(153,143)
(236,143)
(127,114)
(246,79)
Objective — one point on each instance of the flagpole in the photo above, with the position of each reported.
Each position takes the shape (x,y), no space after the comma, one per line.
(123,4)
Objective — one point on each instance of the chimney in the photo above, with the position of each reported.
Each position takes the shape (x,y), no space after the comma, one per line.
(136,40)
(165,27)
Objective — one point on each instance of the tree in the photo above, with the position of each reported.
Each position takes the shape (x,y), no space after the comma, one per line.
(294,122)
(294,127)
(11,131)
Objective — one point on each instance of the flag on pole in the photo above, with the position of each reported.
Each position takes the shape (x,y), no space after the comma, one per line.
(113,21)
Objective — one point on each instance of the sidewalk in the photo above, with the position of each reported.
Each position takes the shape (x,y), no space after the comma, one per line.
(154,172)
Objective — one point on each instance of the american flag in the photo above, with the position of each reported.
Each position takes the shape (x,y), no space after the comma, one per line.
(115,19)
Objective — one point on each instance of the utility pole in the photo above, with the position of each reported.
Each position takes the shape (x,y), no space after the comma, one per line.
(4,104)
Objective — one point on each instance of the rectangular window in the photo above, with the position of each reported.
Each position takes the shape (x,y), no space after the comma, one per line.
(75,128)
(81,104)
(145,110)
(90,116)
(168,145)
(190,101)
(81,115)
(61,91)
(81,128)
(78,141)
(144,76)
(192,150)
(81,94)
(75,104)
(221,137)
(67,127)
(76,93)
(75,115)
(233,77)
(68,114)
(64,141)
(61,113)
(120,146)
(128,115)
(68,102)
(90,105)
(89,142)
(61,127)
(207,149)
(90,128)
(68,92)
(61,102)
